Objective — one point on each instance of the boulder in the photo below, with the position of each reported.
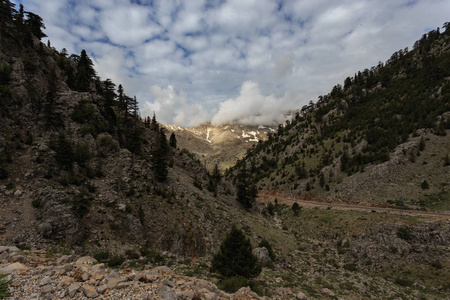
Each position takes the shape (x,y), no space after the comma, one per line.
(89,291)
(12,268)
(262,254)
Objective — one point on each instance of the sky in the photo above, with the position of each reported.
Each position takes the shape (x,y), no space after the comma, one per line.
(249,61)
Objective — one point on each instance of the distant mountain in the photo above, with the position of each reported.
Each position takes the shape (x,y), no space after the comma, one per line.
(219,144)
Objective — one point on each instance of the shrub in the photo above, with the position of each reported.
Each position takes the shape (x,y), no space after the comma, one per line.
(436,264)
(235,257)
(83,112)
(265,243)
(102,256)
(404,233)
(296,208)
(116,261)
(82,153)
(3,286)
(64,152)
(233,284)
(271,208)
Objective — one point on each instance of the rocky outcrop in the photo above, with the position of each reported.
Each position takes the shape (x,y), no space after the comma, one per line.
(84,278)
(427,242)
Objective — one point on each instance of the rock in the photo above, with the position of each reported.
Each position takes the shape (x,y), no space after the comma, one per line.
(85,260)
(262,254)
(102,289)
(300,296)
(73,289)
(45,229)
(89,291)
(47,289)
(113,283)
(46,280)
(185,295)
(65,259)
(43,147)
(12,268)
(245,293)
(328,292)
(166,292)
(163,270)
(18,193)
(98,271)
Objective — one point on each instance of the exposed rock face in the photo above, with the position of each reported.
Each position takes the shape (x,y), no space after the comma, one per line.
(427,242)
(57,220)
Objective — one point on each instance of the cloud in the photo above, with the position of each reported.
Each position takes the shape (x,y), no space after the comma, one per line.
(171,107)
(251,107)
(262,56)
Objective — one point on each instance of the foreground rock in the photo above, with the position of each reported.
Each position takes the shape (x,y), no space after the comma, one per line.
(84,278)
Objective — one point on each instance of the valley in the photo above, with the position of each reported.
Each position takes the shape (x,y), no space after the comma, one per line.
(348,198)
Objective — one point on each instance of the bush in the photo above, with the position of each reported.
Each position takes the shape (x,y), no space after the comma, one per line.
(233,284)
(265,243)
(296,208)
(404,233)
(424,185)
(235,257)
(102,256)
(116,261)
(3,286)
(83,112)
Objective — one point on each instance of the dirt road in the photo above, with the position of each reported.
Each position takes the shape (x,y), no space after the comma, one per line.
(282,199)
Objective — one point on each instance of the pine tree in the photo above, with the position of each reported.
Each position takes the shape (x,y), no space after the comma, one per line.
(35,25)
(173,141)
(85,73)
(235,257)
(159,157)
(64,153)
(246,193)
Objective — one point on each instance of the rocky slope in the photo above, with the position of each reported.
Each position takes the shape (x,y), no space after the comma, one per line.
(219,144)
(37,276)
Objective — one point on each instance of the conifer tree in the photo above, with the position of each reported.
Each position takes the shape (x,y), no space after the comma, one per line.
(85,73)
(246,192)
(173,140)
(235,257)
(159,157)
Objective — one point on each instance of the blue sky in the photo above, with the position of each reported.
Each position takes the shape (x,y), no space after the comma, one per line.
(196,61)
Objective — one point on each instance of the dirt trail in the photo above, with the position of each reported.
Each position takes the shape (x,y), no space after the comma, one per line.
(282,199)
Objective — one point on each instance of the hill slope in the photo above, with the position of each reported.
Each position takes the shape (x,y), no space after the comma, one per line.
(382,137)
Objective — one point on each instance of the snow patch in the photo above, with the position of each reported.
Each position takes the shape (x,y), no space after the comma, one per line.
(207,135)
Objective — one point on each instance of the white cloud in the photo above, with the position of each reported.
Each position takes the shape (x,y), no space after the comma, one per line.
(171,107)
(251,107)
(203,51)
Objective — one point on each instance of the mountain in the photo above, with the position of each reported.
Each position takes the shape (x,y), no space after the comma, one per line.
(219,144)
(382,138)
(82,174)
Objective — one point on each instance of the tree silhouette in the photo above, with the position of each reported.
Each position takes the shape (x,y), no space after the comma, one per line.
(235,256)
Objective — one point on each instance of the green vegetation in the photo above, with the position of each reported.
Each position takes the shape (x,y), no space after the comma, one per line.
(4,286)
(235,257)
